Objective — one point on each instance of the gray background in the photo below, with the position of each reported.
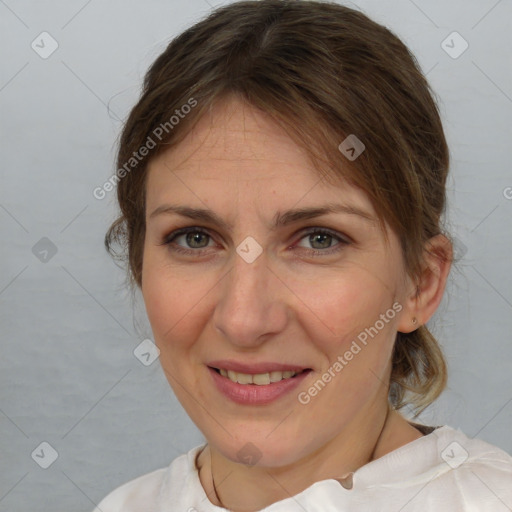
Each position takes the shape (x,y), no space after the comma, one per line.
(68,374)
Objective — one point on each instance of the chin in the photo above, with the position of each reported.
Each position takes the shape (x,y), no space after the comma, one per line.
(258,450)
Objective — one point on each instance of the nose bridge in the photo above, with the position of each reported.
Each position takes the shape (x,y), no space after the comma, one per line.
(249,304)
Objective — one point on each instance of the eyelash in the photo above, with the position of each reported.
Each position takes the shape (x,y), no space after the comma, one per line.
(169,239)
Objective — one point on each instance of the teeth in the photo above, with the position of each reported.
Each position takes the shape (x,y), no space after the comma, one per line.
(260,379)
(276,376)
(243,378)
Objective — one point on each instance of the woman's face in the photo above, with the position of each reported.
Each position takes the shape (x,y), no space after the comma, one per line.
(260,287)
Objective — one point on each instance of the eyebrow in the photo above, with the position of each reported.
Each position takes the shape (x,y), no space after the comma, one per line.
(280,218)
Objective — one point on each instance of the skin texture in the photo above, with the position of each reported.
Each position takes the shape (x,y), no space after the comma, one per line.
(289,305)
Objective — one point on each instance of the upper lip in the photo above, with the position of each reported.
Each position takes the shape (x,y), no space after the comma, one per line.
(255,368)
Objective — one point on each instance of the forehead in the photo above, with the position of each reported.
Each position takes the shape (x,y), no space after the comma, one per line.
(237,131)
(236,145)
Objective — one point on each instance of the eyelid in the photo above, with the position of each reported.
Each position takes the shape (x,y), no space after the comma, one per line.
(318,229)
(170,237)
(343,240)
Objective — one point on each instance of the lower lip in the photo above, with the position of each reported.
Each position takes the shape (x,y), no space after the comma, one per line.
(252,394)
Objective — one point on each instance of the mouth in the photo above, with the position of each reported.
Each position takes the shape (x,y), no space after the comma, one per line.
(259,379)
(256,383)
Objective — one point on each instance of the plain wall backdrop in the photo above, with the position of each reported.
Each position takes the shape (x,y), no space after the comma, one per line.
(68,373)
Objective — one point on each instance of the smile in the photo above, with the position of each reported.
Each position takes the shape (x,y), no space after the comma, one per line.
(258,388)
(258,379)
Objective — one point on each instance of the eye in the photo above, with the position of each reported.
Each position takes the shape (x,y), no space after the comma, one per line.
(322,239)
(195,240)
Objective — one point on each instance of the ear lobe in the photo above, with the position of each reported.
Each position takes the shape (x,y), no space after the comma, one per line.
(422,303)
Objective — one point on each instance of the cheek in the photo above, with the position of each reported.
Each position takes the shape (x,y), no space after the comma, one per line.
(344,304)
(357,330)
(172,305)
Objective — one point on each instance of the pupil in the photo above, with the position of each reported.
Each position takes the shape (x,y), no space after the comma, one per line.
(325,239)
(192,238)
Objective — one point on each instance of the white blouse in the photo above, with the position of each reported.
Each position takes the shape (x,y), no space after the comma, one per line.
(442,471)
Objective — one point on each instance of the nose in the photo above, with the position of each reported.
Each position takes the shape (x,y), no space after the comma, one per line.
(251,306)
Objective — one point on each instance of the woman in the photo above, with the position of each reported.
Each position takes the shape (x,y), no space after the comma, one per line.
(281,182)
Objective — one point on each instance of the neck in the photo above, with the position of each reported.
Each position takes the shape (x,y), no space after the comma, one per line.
(358,444)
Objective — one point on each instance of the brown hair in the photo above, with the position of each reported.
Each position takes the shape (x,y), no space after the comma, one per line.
(322,71)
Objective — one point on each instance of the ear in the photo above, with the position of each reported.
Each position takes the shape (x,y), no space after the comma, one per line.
(426,292)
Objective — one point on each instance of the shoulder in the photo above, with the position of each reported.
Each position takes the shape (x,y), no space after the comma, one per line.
(145,491)
(444,470)
(457,450)
(473,471)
